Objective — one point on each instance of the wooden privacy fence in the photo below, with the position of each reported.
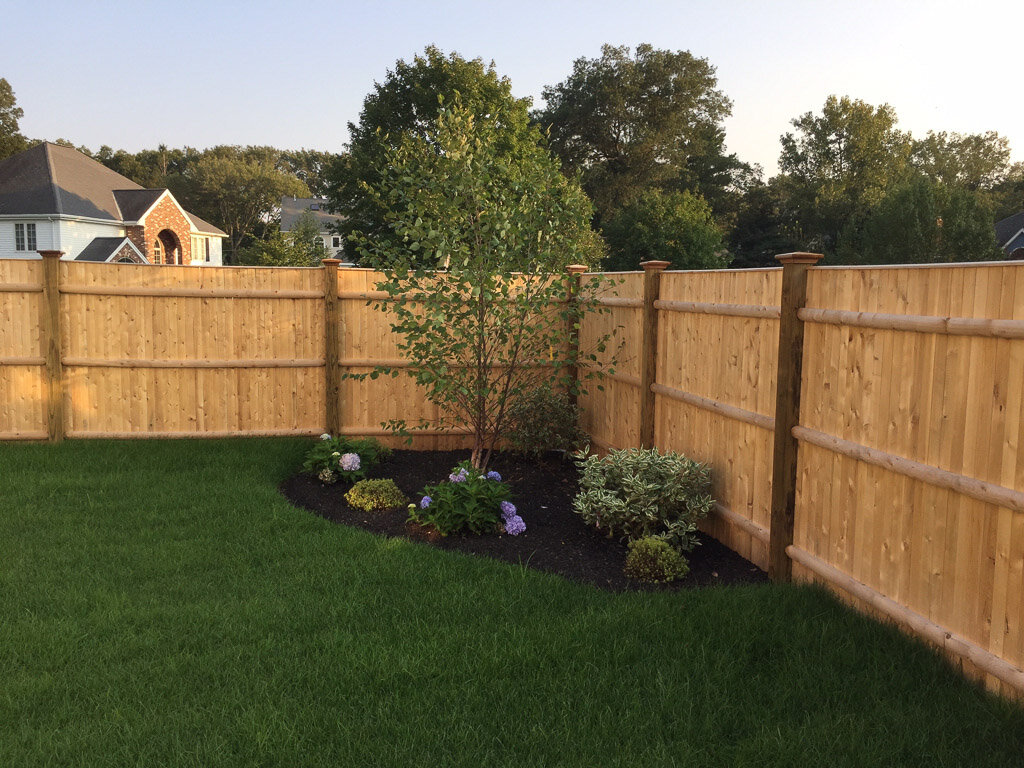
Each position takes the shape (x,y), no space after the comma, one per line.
(863,426)
(125,350)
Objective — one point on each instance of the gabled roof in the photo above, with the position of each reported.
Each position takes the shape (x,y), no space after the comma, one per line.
(1008,227)
(51,180)
(204,227)
(292,208)
(102,248)
(133,203)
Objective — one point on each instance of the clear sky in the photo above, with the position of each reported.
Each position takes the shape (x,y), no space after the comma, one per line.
(134,75)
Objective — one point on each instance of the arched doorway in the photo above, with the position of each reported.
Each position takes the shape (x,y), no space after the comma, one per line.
(167,248)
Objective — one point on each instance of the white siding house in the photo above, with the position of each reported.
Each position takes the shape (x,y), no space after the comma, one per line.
(56,198)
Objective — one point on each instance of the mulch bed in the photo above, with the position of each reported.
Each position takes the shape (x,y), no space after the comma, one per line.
(556,539)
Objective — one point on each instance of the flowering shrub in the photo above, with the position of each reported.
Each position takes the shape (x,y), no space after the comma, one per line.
(344,458)
(373,495)
(470,500)
(652,559)
(637,493)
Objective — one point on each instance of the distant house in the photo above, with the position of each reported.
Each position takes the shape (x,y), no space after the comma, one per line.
(293,207)
(54,198)
(1010,235)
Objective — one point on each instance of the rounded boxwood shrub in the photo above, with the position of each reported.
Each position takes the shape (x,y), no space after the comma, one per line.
(654,560)
(375,495)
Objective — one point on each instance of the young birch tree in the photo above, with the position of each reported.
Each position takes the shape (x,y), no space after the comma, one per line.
(475,269)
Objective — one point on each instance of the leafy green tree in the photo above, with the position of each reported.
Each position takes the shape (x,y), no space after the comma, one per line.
(301,247)
(474,267)
(633,122)
(676,227)
(310,166)
(922,221)
(407,103)
(839,164)
(972,161)
(1008,195)
(764,226)
(11,140)
(238,188)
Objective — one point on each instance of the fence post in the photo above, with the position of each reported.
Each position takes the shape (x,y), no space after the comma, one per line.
(649,348)
(787,411)
(575,317)
(332,336)
(52,340)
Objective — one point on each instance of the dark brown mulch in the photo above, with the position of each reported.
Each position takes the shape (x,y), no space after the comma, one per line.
(556,539)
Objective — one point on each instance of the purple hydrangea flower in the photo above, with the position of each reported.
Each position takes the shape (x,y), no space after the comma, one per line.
(508,509)
(492,475)
(349,462)
(325,436)
(425,502)
(458,477)
(515,525)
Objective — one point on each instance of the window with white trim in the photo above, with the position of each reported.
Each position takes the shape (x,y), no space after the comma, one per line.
(336,242)
(24,237)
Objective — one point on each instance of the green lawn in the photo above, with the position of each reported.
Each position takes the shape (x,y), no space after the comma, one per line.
(162,605)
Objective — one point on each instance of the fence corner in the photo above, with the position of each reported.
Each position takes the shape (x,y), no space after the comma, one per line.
(787,411)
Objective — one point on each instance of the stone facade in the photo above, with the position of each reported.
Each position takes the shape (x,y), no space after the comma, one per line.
(166,215)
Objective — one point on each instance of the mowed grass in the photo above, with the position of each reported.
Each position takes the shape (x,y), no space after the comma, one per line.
(162,605)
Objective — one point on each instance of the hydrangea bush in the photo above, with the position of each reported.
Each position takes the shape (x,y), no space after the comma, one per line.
(635,493)
(470,500)
(344,458)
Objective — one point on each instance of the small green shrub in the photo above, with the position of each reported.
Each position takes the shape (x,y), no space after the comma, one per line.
(471,500)
(653,559)
(375,495)
(543,421)
(635,493)
(331,459)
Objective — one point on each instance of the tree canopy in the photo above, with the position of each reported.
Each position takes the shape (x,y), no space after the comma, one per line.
(676,227)
(238,188)
(11,140)
(839,164)
(632,122)
(406,104)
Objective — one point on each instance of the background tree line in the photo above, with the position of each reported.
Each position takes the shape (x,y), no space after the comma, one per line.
(642,132)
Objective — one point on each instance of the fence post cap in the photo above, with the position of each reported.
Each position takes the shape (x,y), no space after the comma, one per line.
(799,258)
(330,262)
(50,254)
(655,266)
(576,269)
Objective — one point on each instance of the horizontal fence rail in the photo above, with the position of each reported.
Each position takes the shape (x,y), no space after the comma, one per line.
(953,326)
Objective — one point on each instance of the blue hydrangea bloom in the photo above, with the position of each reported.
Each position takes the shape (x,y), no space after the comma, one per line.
(492,475)
(458,477)
(515,525)
(508,509)
(425,502)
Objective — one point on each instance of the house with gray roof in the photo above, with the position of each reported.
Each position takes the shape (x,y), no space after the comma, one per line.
(292,208)
(55,198)
(1010,235)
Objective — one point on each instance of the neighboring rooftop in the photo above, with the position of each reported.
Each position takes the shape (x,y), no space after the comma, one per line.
(1008,227)
(292,208)
(102,248)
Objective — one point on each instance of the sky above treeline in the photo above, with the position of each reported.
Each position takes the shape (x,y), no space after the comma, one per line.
(134,75)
